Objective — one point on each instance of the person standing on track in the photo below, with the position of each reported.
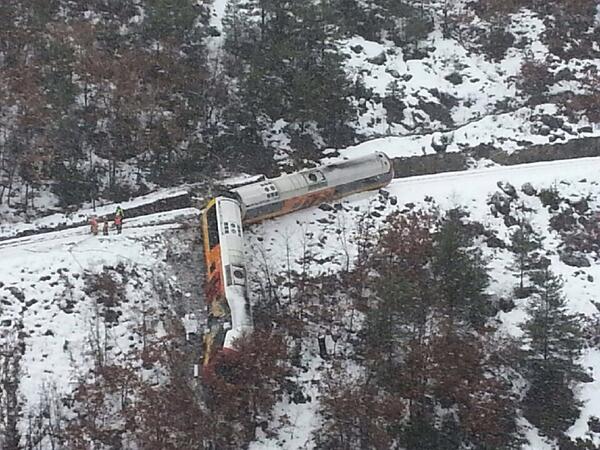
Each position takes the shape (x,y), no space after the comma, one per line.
(119,215)
(118,223)
(94,225)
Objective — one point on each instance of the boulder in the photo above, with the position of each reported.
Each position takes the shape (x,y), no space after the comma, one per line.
(455,78)
(17,293)
(356,48)
(580,205)
(508,189)
(528,189)
(510,221)
(394,73)
(574,259)
(552,121)
(499,203)
(378,60)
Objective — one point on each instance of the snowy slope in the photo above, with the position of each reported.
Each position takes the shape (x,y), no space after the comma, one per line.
(43,305)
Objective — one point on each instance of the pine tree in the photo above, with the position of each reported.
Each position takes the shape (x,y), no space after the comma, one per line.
(289,67)
(525,244)
(460,271)
(555,341)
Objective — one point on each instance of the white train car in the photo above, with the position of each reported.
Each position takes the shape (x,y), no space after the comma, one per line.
(291,192)
(230,317)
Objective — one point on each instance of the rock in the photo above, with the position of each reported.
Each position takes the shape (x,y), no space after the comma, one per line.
(510,221)
(590,278)
(493,241)
(325,207)
(586,129)
(506,305)
(49,333)
(580,205)
(385,194)
(500,203)
(574,259)
(375,214)
(393,200)
(528,189)
(17,293)
(544,131)
(356,48)
(6,323)
(407,77)
(455,78)
(564,74)
(31,302)
(508,189)
(594,424)
(378,60)
(394,73)
(568,129)
(552,121)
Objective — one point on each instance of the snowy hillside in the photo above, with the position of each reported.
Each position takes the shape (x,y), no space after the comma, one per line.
(150,105)
(49,306)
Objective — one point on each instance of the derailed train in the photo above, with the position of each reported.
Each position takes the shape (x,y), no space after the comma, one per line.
(229,313)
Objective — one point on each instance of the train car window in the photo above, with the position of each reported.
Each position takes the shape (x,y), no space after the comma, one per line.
(213,229)
(239,275)
(315,177)
(226,228)
(228,275)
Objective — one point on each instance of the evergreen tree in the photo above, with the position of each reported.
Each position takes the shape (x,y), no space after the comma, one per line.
(460,271)
(289,68)
(555,341)
(420,346)
(525,244)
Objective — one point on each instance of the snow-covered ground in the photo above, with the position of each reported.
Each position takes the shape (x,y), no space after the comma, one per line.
(43,304)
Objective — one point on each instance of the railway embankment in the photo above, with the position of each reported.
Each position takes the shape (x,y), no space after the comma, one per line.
(457,161)
(150,204)
(404,167)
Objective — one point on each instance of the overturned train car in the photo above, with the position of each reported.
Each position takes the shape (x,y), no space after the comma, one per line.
(291,192)
(229,312)
(229,315)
